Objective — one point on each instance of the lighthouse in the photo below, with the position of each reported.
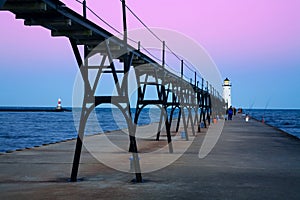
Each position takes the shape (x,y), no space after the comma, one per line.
(58,107)
(227,92)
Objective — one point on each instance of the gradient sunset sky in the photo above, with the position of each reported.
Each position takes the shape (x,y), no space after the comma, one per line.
(256,44)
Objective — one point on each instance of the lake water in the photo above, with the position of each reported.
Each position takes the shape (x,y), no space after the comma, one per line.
(27,128)
(284,119)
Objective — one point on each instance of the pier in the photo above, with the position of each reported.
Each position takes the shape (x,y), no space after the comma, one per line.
(172,91)
(250,160)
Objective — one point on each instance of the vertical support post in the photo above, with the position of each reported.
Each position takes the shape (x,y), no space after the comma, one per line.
(85,50)
(196,103)
(198,107)
(163,54)
(160,123)
(212,98)
(181,68)
(84,113)
(84,8)
(139,46)
(203,103)
(168,130)
(207,86)
(132,127)
(207,103)
(185,123)
(195,78)
(164,97)
(178,121)
(83,120)
(124,23)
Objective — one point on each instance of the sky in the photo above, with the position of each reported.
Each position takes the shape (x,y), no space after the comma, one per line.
(256,44)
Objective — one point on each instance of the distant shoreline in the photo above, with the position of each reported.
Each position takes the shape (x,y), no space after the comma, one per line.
(33,109)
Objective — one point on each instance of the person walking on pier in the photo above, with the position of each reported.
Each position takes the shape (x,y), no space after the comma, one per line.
(230,113)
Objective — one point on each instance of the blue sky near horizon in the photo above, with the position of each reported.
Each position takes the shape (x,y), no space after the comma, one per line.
(255,44)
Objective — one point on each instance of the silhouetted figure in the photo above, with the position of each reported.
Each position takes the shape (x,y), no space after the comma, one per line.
(230,113)
(234,111)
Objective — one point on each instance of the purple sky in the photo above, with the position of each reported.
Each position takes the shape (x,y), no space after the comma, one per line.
(256,44)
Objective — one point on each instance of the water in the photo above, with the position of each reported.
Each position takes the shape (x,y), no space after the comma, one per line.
(286,120)
(29,127)
(24,129)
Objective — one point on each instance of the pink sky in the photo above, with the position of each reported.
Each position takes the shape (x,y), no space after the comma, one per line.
(233,25)
(243,38)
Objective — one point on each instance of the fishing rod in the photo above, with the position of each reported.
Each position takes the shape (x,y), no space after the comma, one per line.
(267,104)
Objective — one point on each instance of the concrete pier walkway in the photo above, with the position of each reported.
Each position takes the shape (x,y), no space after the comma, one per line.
(250,161)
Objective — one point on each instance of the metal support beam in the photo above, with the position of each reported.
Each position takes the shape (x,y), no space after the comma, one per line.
(124,22)
(195,79)
(178,120)
(127,64)
(2,2)
(181,72)
(72,33)
(84,8)
(163,53)
(51,22)
(83,120)
(185,125)
(24,6)
(85,112)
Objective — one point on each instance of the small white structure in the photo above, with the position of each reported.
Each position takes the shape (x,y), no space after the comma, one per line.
(227,92)
(247,118)
(58,107)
